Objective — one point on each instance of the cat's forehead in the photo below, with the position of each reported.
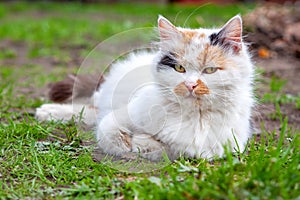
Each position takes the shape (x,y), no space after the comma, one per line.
(190,40)
(196,35)
(194,48)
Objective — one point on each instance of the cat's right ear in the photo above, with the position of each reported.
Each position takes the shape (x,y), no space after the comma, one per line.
(167,30)
(230,35)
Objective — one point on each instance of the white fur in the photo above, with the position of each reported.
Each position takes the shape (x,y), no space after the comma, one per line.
(138,100)
(67,112)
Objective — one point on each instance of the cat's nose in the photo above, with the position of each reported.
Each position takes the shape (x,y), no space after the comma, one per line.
(191,85)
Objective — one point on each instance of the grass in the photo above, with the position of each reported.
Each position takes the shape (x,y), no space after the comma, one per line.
(52,161)
(277,96)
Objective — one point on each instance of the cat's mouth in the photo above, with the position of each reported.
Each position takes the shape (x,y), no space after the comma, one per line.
(191,90)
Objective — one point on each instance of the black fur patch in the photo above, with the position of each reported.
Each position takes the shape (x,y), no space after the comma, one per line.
(167,61)
(217,39)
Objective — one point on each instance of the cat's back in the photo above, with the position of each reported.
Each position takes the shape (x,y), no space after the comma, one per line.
(124,79)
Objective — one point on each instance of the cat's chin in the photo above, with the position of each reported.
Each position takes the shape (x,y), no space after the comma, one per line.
(192,97)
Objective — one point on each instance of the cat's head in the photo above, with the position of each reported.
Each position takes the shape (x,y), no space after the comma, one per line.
(202,64)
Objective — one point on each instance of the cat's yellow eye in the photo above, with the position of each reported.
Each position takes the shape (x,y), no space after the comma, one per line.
(210,70)
(179,68)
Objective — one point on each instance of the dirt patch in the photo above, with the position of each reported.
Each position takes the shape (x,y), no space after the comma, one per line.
(275,29)
(286,68)
(21,61)
(275,43)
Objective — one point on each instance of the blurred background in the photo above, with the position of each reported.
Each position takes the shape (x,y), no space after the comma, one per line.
(172,1)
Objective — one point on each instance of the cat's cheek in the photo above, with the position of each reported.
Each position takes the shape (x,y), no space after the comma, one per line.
(181,90)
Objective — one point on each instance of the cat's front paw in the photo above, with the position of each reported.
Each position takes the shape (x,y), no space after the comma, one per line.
(144,143)
(56,112)
(129,156)
(148,147)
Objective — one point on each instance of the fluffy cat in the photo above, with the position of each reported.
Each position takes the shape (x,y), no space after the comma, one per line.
(191,96)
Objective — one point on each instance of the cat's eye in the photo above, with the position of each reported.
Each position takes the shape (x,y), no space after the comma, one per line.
(179,68)
(210,70)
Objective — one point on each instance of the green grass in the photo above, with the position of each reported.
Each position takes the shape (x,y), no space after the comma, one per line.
(277,96)
(51,161)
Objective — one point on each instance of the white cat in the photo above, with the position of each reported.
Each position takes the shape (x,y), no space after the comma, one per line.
(191,96)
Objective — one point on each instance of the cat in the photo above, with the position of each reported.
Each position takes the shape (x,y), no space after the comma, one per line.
(191,96)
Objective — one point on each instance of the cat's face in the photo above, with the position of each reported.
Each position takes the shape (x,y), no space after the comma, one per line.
(201,63)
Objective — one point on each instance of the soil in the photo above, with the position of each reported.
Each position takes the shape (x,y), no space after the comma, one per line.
(286,68)
(275,29)
(275,43)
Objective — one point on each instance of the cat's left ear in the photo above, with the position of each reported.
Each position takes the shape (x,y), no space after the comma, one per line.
(230,35)
(167,31)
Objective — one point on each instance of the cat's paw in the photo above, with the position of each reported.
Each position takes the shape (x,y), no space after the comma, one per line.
(129,156)
(56,112)
(143,143)
(148,147)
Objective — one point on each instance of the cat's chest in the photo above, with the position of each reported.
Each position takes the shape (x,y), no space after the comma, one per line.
(192,132)
(187,121)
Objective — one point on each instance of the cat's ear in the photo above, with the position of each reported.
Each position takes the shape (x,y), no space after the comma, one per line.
(230,35)
(167,30)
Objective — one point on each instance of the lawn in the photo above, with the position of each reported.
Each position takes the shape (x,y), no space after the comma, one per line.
(42,42)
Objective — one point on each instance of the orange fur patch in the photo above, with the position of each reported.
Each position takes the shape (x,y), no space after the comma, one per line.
(202,35)
(181,90)
(188,35)
(201,88)
(212,55)
(205,54)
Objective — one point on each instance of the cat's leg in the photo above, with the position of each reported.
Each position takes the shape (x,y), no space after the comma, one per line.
(116,136)
(67,112)
(113,138)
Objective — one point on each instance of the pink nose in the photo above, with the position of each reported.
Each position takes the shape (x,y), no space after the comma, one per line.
(191,85)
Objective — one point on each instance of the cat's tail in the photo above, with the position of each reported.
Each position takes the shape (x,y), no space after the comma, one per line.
(74,87)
